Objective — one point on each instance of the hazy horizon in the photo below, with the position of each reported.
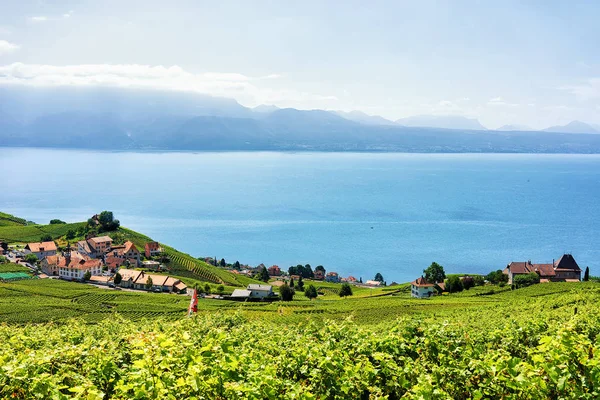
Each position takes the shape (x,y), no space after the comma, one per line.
(511,64)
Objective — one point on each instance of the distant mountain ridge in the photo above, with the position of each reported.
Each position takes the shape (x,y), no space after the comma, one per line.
(117,119)
(442,121)
(514,128)
(573,127)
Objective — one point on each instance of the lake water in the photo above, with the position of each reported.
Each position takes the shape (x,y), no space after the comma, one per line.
(353,213)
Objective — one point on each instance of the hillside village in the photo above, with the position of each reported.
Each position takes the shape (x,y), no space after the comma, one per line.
(114,261)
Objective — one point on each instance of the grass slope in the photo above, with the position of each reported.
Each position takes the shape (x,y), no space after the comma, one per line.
(11,220)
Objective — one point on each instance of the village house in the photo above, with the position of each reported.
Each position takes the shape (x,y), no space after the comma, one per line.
(254,291)
(151,265)
(152,249)
(41,249)
(94,247)
(126,252)
(138,280)
(373,283)
(72,266)
(274,270)
(563,270)
(332,277)
(319,275)
(421,289)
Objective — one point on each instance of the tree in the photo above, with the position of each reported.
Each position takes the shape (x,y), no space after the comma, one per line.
(497,277)
(31,258)
(236,265)
(468,282)
(56,221)
(264,274)
(292,283)
(311,292)
(478,280)
(207,288)
(524,280)
(220,289)
(70,234)
(434,273)
(286,292)
(46,238)
(4,260)
(107,221)
(586,275)
(149,283)
(118,278)
(378,277)
(360,280)
(300,284)
(308,272)
(454,284)
(222,263)
(345,290)
(320,268)
(87,275)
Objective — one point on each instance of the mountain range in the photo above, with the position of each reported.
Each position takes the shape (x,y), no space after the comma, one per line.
(118,118)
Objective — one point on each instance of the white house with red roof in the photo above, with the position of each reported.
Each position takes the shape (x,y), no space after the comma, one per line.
(422,289)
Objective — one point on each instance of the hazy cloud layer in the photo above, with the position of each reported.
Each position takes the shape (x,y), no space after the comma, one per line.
(248,90)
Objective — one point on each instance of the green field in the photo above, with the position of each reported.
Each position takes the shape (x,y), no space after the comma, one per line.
(532,343)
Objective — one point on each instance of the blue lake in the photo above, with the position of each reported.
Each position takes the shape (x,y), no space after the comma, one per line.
(357,214)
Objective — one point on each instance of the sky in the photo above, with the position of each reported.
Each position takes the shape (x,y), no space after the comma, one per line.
(533,63)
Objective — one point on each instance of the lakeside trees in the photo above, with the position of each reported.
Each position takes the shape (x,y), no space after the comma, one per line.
(497,277)
(304,271)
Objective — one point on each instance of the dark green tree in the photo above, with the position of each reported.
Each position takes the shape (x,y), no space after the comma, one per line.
(56,222)
(31,258)
(222,263)
(320,268)
(292,283)
(70,234)
(46,238)
(586,274)
(454,284)
(264,274)
(107,221)
(207,288)
(300,284)
(236,265)
(434,273)
(497,277)
(286,292)
(87,276)
(311,292)
(220,289)
(118,278)
(345,290)
(378,277)
(308,272)
(149,283)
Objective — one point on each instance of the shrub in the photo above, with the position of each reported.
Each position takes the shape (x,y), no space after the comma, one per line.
(311,292)
(286,292)
(345,290)
(526,280)
(454,284)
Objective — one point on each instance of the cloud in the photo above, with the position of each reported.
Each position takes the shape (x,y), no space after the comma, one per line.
(68,14)
(39,18)
(585,91)
(500,102)
(246,89)
(7,47)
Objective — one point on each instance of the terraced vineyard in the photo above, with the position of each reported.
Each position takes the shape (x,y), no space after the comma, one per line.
(541,342)
(33,233)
